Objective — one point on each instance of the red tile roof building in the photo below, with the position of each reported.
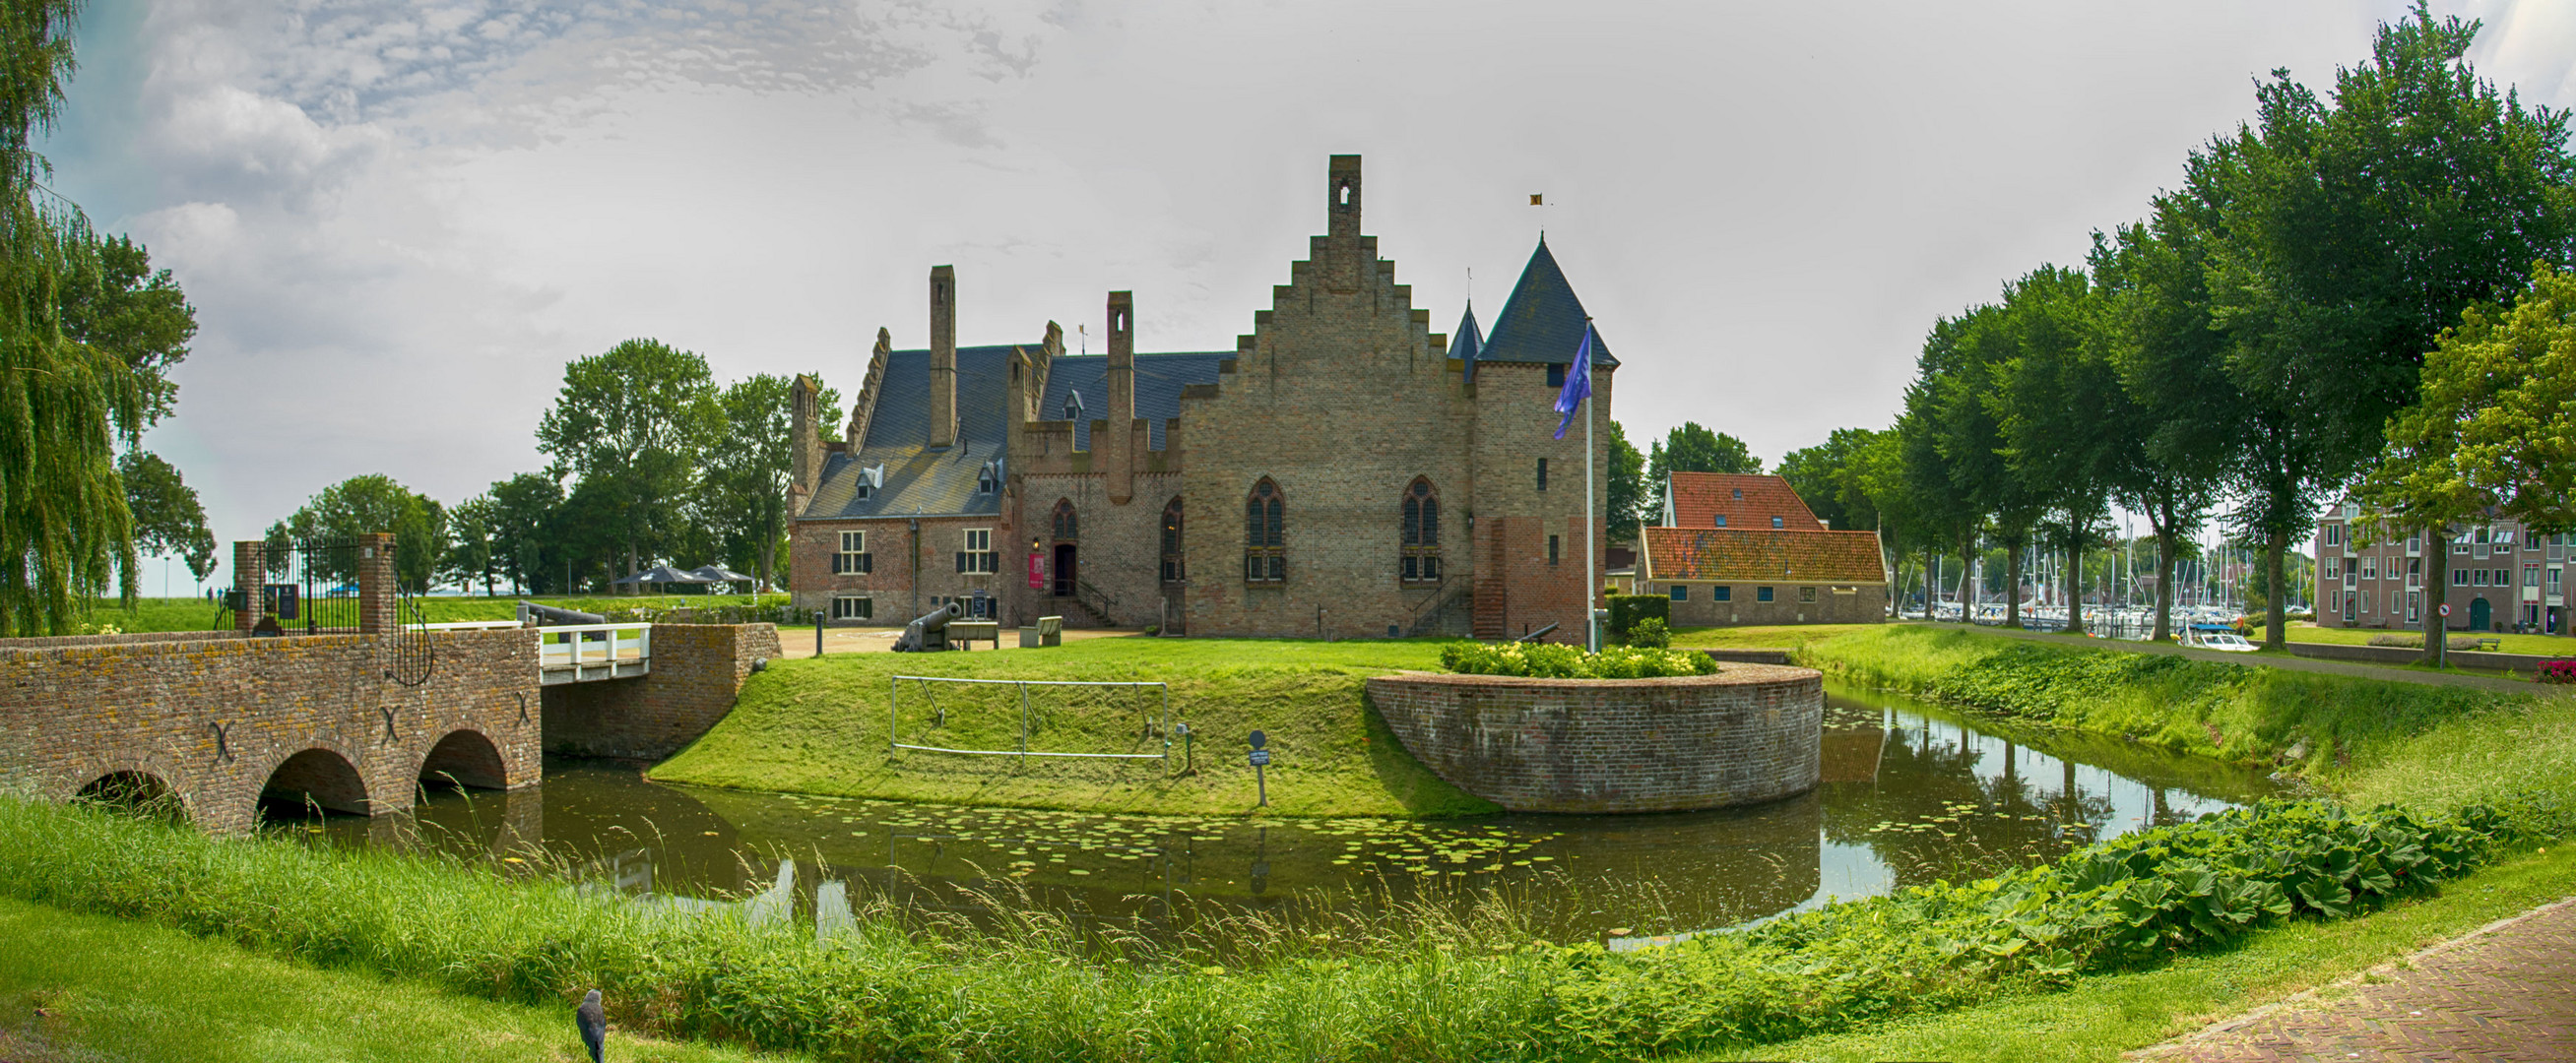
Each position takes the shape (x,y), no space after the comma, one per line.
(1743,549)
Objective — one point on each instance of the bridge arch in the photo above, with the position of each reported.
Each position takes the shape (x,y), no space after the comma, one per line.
(468,758)
(315,776)
(136,793)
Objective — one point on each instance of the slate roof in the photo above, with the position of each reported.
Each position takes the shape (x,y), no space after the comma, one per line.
(1464,343)
(917,478)
(1542,321)
(1731,555)
(1159,380)
(1698,498)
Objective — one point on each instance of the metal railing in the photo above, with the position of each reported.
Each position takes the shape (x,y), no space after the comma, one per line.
(578,652)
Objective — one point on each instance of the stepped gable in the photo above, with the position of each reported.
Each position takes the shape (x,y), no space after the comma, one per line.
(1746,500)
(1543,321)
(918,477)
(1730,555)
(1159,380)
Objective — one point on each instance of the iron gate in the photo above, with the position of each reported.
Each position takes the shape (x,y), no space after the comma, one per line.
(313,590)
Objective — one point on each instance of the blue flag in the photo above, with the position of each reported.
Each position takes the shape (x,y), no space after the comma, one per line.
(1578,383)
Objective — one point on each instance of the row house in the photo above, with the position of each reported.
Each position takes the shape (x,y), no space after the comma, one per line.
(2502,576)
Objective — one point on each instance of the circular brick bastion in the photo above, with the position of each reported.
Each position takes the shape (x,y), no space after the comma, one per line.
(1750,733)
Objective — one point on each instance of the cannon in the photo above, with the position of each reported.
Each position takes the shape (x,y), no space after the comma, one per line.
(549,616)
(931,631)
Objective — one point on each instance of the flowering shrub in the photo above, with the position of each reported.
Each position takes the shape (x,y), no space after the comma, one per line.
(2555,672)
(1546,661)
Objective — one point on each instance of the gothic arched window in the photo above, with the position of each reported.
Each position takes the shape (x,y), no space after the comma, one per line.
(1174,567)
(1265,558)
(1421,561)
(1066,527)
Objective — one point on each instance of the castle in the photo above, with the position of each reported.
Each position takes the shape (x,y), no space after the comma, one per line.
(1343,472)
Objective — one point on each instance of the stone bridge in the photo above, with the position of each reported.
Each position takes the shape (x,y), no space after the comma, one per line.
(224,721)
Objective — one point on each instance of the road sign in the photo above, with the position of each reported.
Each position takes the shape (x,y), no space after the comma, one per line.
(1260,758)
(2443,609)
(1259,740)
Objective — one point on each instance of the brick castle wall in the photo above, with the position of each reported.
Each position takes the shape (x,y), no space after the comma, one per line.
(698,670)
(214,718)
(1748,734)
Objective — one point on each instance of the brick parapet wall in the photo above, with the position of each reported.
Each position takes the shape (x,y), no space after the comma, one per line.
(47,642)
(698,671)
(1748,734)
(214,718)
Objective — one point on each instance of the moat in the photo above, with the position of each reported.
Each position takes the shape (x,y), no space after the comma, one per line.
(1912,793)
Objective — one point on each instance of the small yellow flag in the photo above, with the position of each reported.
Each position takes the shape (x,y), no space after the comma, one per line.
(1537,200)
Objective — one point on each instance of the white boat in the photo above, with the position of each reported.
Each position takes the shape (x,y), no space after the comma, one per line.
(2203,638)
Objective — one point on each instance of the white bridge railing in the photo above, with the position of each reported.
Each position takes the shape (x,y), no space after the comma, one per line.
(580,653)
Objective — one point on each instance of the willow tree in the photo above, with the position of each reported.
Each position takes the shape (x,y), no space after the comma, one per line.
(64,525)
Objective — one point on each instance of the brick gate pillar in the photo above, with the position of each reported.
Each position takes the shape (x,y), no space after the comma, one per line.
(376,584)
(250,572)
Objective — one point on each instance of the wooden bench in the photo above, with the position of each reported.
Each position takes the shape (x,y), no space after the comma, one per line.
(1048,632)
(965,633)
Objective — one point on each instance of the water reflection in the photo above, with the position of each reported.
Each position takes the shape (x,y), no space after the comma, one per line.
(1911,794)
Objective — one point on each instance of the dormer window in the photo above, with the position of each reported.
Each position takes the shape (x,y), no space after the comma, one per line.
(988,479)
(1073,406)
(1721,520)
(1776,522)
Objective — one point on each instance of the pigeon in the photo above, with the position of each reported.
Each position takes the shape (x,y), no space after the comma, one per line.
(593,1021)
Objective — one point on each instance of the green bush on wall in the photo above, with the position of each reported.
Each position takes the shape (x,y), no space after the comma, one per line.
(1627,609)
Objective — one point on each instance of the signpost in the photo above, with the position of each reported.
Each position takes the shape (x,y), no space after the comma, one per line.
(1260,761)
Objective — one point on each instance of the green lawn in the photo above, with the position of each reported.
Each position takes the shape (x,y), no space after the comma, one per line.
(818,726)
(2546,645)
(78,988)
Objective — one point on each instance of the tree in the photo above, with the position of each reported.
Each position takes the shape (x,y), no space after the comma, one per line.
(168,519)
(1691,448)
(1968,431)
(2180,420)
(747,473)
(523,507)
(1627,488)
(2348,236)
(1815,473)
(2056,393)
(1948,515)
(64,405)
(470,556)
(633,425)
(118,305)
(1851,481)
(362,505)
(2495,430)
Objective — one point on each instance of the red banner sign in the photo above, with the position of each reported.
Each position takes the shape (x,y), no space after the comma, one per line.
(1037,571)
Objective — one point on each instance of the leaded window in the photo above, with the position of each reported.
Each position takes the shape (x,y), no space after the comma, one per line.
(1421,553)
(1175,566)
(1265,546)
(1067,526)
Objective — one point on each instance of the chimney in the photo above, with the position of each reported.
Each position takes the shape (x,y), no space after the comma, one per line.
(1343,267)
(943,356)
(806,450)
(1116,448)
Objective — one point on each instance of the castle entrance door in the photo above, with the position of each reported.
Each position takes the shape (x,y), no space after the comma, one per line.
(2481,615)
(1064,570)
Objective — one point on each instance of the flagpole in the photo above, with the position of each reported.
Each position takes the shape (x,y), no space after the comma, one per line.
(1591,552)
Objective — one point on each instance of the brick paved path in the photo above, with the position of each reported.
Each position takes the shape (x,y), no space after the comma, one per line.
(2504,992)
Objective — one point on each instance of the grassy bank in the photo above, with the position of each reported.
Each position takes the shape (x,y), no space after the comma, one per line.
(2426,747)
(1776,636)
(81,988)
(819,726)
(2507,642)
(1411,983)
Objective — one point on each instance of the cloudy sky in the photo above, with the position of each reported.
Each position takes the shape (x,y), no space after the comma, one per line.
(398,220)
